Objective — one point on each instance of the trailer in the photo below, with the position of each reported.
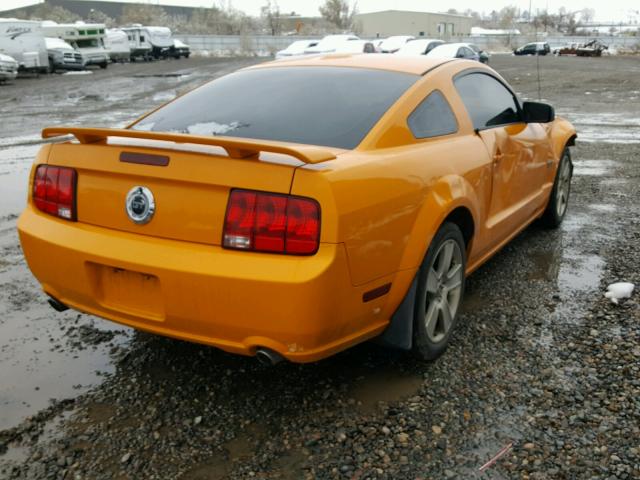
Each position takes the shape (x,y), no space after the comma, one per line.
(87,38)
(161,41)
(139,46)
(117,43)
(24,41)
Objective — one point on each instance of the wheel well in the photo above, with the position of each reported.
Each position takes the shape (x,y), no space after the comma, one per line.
(461,216)
(572,140)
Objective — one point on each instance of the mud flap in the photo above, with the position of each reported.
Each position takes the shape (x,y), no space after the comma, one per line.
(399,333)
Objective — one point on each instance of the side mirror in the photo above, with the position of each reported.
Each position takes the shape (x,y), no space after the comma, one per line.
(535,112)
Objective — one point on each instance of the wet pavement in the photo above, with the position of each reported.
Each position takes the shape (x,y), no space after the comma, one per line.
(539,360)
(40,362)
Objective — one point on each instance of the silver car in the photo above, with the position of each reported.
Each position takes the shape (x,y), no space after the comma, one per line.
(8,68)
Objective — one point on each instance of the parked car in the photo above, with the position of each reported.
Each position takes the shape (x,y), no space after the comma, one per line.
(63,56)
(534,48)
(394,43)
(8,68)
(454,50)
(356,46)
(329,43)
(180,49)
(419,46)
(284,224)
(483,56)
(296,48)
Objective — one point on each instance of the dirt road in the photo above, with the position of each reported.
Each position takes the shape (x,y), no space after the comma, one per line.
(540,359)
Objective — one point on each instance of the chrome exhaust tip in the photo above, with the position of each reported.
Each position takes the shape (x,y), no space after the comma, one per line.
(268,357)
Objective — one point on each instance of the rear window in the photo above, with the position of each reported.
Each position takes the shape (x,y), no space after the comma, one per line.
(328,106)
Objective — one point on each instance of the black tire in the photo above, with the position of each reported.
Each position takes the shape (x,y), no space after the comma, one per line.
(557,206)
(430,343)
(104,65)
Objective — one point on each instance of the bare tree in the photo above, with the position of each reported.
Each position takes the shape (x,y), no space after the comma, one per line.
(96,16)
(271,17)
(144,14)
(339,13)
(508,16)
(587,15)
(47,12)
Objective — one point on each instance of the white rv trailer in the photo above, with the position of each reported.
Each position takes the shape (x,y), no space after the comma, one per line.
(161,41)
(87,38)
(24,41)
(139,45)
(117,44)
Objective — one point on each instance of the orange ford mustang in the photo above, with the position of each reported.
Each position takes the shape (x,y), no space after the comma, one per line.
(296,208)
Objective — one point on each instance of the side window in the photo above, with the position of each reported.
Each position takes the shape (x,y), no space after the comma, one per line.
(488,102)
(433,117)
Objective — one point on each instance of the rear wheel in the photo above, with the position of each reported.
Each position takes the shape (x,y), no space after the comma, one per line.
(440,290)
(559,198)
(104,65)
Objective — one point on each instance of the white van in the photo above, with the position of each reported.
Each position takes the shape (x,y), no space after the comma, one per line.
(87,38)
(117,43)
(24,41)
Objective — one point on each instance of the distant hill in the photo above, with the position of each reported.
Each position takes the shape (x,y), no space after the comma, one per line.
(82,8)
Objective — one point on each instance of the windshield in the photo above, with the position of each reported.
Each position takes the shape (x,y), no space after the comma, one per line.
(328,106)
(88,43)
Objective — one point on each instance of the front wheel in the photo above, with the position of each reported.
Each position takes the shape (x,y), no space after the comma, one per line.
(440,290)
(559,197)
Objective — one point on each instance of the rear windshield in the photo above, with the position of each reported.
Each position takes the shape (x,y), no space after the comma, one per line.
(328,106)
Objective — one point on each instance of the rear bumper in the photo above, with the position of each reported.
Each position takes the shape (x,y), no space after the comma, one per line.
(304,308)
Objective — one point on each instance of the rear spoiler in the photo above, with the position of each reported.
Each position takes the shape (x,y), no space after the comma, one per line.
(235,147)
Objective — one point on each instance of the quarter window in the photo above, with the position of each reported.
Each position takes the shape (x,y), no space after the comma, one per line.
(433,117)
(488,102)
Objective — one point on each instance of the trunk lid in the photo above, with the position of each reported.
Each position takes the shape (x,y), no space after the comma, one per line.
(190,191)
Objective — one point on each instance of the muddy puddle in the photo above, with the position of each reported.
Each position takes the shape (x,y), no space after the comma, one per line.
(40,362)
(383,387)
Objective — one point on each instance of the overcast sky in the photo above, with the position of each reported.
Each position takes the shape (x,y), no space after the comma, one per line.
(618,10)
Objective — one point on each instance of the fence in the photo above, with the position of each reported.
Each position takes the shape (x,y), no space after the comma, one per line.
(267,45)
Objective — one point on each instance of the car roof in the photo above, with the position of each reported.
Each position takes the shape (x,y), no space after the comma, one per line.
(445,49)
(378,61)
(424,40)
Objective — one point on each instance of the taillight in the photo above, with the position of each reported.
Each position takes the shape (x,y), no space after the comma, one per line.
(54,191)
(269,222)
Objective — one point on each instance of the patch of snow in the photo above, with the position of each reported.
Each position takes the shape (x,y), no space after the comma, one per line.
(78,72)
(619,290)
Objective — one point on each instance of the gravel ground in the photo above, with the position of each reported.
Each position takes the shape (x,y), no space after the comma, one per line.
(540,360)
